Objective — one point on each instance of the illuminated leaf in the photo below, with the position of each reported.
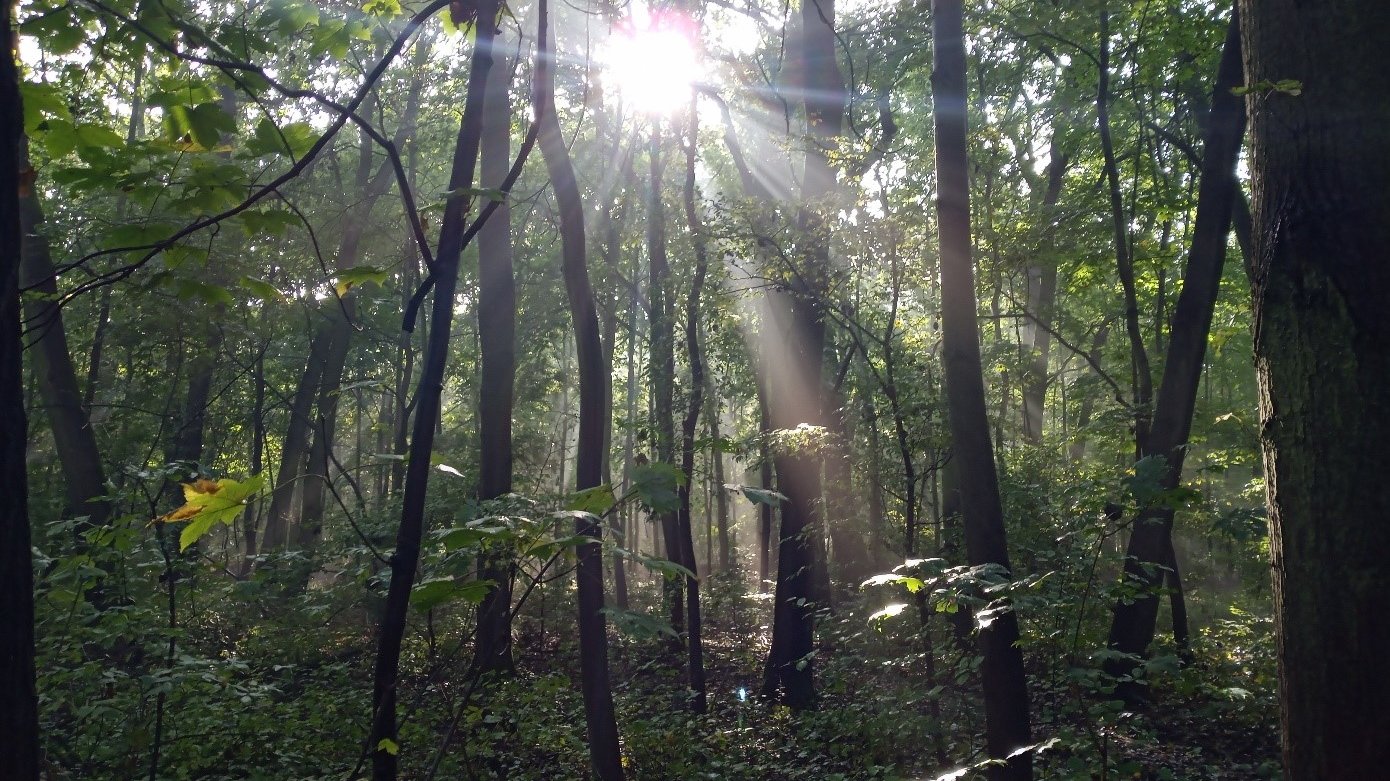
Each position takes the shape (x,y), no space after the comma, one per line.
(349,278)
(389,746)
(262,289)
(597,500)
(208,503)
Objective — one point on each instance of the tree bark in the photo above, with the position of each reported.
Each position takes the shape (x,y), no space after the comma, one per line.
(19,717)
(497,340)
(405,559)
(84,477)
(1007,726)
(1320,163)
(1150,550)
(1042,299)
(599,716)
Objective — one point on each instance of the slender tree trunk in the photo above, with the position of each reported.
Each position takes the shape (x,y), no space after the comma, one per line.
(497,339)
(1006,694)
(1320,163)
(1150,549)
(600,721)
(721,497)
(695,650)
(1042,298)
(406,557)
(662,364)
(19,717)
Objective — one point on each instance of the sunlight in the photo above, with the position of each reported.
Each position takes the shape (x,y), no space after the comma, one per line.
(652,62)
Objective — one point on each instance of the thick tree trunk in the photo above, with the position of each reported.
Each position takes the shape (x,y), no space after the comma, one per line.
(599,715)
(19,717)
(1150,543)
(1006,694)
(1320,163)
(497,340)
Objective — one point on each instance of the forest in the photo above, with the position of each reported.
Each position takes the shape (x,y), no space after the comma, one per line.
(896,390)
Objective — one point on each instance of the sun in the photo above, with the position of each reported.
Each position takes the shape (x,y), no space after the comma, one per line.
(652,61)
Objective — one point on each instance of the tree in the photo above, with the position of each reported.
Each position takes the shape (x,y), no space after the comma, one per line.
(19,706)
(1007,730)
(1320,164)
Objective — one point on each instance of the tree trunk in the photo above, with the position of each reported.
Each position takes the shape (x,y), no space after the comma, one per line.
(19,717)
(1320,162)
(497,339)
(84,478)
(406,558)
(599,715)
(1042,298)
(1150,543)
(1006,694)
(695,650)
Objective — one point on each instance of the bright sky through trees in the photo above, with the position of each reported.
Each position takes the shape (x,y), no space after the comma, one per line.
(652,61)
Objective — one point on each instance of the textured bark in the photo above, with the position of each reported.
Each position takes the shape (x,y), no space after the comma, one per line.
(19,718)
(1006,694)
(604,754)
(497,342)
(405,559)
(1150,550)
(1320,163)
(84,477)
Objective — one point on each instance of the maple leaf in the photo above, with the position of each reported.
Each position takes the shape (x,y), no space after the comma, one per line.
(207,503)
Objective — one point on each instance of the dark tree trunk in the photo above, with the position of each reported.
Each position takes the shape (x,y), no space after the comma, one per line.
(1150,549)
(405,559)
(497,340)
(599,715)
(19,718)
(1320,163)
(662,365)
(695,650)
(84,478)
(1006,694)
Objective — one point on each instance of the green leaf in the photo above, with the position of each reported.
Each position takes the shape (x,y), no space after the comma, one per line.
(208,503)
(389,746)
(656,484)
(891,611)
(349,278)
(42,101)
(91,135)
(59,138)
(439,591)
(758,495)
(597,500)
(261,289)
(486,193)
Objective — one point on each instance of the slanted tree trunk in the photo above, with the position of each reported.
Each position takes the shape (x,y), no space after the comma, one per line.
(599,715)
(405,559)
(1320,165)
(497,340)
(1150,550)
(19,705)
(1006,694)
(84,478)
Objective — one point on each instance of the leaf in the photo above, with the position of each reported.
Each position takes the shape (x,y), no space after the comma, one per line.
(642,626)
(349,278)
(486,193)
(656,484)
(93,135)
(439,591)
(389,746)
(448,470)
(668,568)
(42,101)
(208,503)
(597,500)
(261,289)
(890,611)
(758,495)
